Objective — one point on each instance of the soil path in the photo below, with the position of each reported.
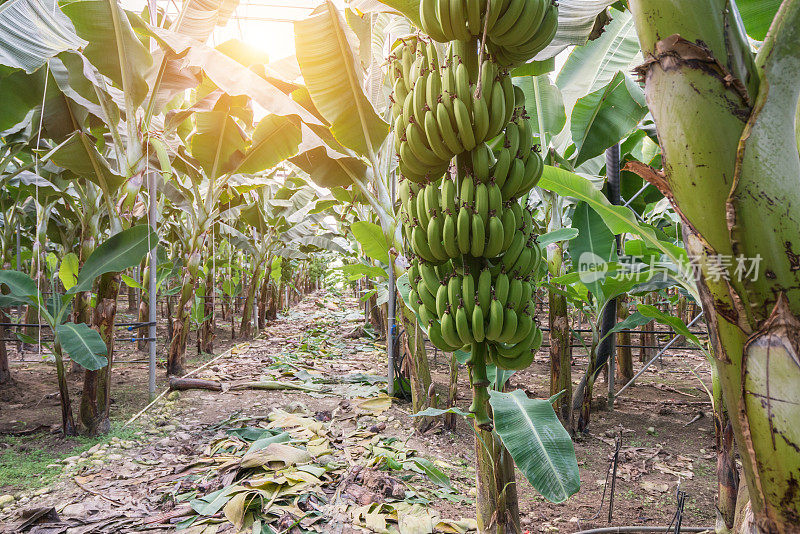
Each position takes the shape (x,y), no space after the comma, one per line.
(367,466)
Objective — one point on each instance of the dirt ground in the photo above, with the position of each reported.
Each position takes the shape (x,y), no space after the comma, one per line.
(137,478)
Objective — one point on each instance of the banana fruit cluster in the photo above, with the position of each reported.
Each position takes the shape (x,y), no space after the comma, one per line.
(464,144)
(516,30)
(436,112)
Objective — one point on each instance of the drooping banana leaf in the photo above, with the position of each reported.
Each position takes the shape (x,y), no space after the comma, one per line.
(538,443)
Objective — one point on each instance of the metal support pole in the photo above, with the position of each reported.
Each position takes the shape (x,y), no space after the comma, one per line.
(391,309)
(151,330)
(609,346)
(648,364)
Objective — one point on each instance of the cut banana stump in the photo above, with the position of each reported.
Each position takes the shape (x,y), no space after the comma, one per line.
(466,157)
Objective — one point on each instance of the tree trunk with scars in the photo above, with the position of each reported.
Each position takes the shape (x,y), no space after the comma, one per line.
(206,333)
(624,353)
(180,325)
(5,370)
(735,189)
(246,328)
(560,358)
(423,394)
(95,400)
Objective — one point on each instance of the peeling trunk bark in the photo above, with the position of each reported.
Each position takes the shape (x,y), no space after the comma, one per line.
(95,400)
(497,502)
(560,359)
(5,370)
(205,333)
(423,395)
(180,326)
(624,352)
(67,422)
(246,328)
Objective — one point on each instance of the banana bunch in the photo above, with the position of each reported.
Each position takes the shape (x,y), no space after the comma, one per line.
(436,111)
(462,309)
(516,29)
(465,147)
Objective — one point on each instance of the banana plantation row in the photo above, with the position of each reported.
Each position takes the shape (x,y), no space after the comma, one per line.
(432,152)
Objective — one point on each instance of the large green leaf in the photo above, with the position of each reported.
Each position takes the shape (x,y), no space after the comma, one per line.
(275,139)
(619,219)
(83,345)
(21,288)
(327,171)
(372,241)
(33,31)
(218,143)
(663,318)
(333,77)
(114,48)
(593,65)
(538,443)
(68,271)
(602,118)
(549,102)
(359,270)
(119,252)
(576,19)
(20,94)
(79,154)
(757,16)
(562,234)
(593,249)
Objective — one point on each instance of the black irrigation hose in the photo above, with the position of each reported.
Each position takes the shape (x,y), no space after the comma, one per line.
(665,332)
(129,326)
(634,528)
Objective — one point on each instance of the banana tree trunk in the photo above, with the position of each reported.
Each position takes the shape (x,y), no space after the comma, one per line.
(67,422)
(5,370)
(180,325)
(246,328)
(95,400)
(206,333)
(497,502)
(423,395)
(560,358)
(735,187)
(624,353)
(263,296)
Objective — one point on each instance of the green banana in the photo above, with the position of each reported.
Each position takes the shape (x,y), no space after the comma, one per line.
(515,291)
(468,292)
(508,18)
(508,98)
(496,8)
(449,333)
(524,325)
(482,201)
(463,223)
(515,177)
(494,326)
(463,124)
(430,21)
(428,300)
(494,238)
(497,113)
(480,117)
(478,237)
(509,325)
(474,16)
(527,293)
(533,172)
(509,228)
(422,211)
(484,290)
(428,275)
(435,238)
(445,125)
(512,138)
(436,337)
(441,300)
(501,287)
(501,168)
(480,162)
(449,235)
(523,260)
(529,20)
(416,141)
(466,194)
(462,326)
(434,138)
(458,19)
(448,193)
(514,250)
(454,291)
(477,324)
(495,199)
